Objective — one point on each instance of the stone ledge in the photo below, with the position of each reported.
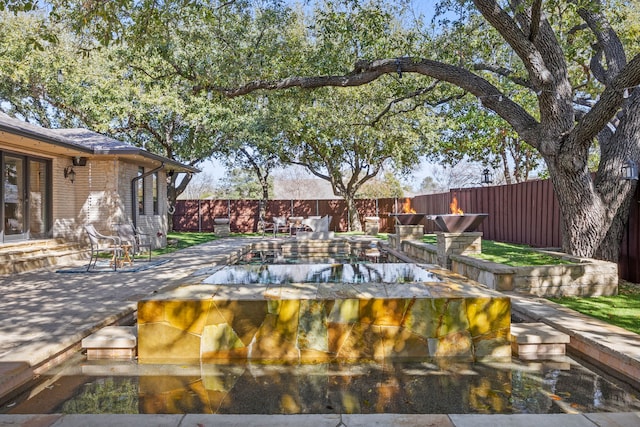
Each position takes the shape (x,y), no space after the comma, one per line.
(537,333)
(585,277)
(111,342)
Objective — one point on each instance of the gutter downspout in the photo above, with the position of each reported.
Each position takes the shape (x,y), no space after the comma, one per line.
(134,195)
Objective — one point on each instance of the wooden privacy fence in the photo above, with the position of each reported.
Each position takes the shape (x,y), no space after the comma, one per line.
(525,213)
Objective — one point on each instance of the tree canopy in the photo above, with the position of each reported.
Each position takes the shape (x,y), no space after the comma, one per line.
(560,76)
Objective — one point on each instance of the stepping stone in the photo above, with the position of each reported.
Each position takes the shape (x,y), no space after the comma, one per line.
(535,341)
(111,342)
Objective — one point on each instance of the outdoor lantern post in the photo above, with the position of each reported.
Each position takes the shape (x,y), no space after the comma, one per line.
(630,170)
(486,177)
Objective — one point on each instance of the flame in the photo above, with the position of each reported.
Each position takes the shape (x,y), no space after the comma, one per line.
(406,206)
(454,207)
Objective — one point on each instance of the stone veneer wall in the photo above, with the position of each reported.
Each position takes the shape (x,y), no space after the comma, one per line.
(457,244)
(584,277)
(195,329)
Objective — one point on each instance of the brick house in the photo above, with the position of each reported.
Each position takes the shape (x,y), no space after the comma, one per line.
(57,180)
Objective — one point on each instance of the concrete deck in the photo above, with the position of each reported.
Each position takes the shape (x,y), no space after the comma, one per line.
(44,314)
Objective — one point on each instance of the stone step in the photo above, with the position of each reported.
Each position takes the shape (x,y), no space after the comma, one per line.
(535,341)
(112,342)
(27,256)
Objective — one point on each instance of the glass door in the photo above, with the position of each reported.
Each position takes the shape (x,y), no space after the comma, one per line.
(38,199)
(15,207)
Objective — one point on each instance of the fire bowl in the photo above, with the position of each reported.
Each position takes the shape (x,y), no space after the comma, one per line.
(408,218)
(458,223)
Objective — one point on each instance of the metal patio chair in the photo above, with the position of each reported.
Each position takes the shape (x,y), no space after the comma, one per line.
(139,242)
(101,243)
(279,225)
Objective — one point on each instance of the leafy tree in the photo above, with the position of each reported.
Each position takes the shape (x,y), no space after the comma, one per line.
(387,186)
(563,78)
(240,184)
(64,82)
(252,137)
(567,60)
(328,138)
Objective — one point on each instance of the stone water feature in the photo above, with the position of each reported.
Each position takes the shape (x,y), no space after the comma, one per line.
(420,312)
(458,223)
(408,225)
(457,235)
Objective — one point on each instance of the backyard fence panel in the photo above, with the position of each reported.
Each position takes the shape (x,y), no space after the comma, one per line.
(629,264)
(554,233)
(337,210)
(277,208)
(384,207)
(366,207)
(303,208)
(243,216)
(185,216)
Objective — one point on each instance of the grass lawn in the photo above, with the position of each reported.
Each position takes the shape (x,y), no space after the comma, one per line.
(182,240)
(621,310)
(508,253)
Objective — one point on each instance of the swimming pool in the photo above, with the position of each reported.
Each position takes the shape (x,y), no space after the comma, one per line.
(417,387)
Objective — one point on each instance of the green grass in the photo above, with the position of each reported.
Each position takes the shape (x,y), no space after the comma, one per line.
(622,310)
(509,254)
(182,240)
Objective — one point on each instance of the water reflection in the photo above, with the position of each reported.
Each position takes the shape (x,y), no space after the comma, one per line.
(408,387)
(321,273)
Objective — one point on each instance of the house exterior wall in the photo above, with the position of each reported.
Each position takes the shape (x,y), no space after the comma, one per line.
(101,195)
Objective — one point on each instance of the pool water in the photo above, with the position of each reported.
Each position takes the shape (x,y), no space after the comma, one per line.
(418,387)
(278,256)
(398,273)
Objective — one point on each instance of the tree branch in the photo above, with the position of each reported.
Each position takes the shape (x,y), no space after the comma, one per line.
(366,72)
(522,46)
(536,10)
(505,72)
(610,101)
(413,94)
(608,41)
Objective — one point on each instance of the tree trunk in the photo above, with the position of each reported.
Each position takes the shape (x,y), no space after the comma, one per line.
(262,213)
(594,210)
(352,213)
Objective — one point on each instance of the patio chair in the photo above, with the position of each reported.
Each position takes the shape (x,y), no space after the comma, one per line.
(139,242)
(101,243)
(279,225)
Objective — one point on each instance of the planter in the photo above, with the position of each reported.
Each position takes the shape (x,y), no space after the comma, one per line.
(583,277)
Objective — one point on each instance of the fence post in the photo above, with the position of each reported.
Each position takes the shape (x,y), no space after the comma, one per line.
(199,216)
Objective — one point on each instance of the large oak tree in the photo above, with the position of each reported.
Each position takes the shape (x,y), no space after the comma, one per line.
(594,207)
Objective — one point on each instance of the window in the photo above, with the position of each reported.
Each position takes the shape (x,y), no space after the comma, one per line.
(140,191)
(156,191)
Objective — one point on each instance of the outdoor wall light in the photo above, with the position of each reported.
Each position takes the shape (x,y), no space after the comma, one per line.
(630,170)
(60,76)
(79,161)
(70,174)
(487,178)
